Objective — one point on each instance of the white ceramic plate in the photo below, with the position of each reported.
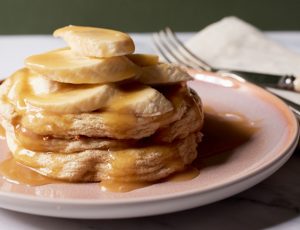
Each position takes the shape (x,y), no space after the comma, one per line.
(269,147)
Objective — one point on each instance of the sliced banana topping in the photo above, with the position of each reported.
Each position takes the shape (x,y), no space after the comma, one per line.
(67,82)
(32,92)
(142,100)
(63,65)
(78,100)
(163,74)
(96,42)
(143,59)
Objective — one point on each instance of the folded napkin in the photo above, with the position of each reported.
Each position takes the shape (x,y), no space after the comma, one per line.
(235,44)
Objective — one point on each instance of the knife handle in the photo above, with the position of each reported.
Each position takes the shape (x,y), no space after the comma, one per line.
(296,84)
(286,82)
(289,83)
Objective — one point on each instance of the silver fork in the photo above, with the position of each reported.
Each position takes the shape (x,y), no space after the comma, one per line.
(174,51)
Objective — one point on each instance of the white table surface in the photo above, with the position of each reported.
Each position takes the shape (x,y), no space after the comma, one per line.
(272,204)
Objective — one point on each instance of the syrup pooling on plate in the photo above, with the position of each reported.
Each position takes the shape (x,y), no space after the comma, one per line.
(187,174)
(17,173)
(115,186)
(224,131)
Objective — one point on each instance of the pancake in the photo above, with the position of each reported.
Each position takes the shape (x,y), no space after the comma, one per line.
(190,122)
(97,123)
(146,163)
(34,142)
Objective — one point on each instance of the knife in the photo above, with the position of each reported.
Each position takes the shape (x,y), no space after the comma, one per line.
(286,82)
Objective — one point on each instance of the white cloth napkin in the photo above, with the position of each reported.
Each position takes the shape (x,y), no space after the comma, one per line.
(235,44)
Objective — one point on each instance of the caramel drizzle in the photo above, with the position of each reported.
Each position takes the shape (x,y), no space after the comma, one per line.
(222,133)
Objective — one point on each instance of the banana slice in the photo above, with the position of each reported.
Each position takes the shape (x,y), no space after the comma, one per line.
(79,100)
(29,91)
(142,100)
(63,65)
(96,42)
(162,74)
(25,81)
(143,59)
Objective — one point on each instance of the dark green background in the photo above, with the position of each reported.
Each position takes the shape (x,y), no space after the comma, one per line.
(43,16)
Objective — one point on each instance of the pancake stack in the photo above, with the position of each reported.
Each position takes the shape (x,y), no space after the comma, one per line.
(94,111)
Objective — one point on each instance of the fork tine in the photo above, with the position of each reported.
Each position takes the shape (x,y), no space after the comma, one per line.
(161,39)
(185,51)
(170,48)
(183,59)
(162,47)
(172,51)
(159,48)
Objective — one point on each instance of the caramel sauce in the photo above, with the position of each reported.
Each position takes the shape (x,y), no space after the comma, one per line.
(121,186)
(222,134)
(30,140)
(17,173)
(57,58)
(120,121)
(20,89)
(2,132)
(45,123)
(189,173)
(124,163)
(117,186)
(34,142)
